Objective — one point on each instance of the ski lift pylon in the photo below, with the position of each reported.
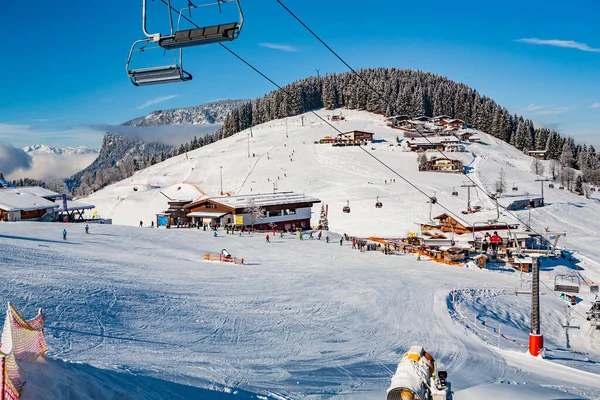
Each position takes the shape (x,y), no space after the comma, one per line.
(378,204)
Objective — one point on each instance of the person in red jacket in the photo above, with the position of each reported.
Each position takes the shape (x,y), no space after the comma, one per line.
(268,241)
(495,241)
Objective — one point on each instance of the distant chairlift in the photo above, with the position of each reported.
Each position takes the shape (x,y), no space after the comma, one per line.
(515,188)
(566,283)
(454,191)
(346,208)
(551,185)
(378,204)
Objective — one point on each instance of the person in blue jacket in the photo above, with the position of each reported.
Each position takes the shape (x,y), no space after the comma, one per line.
(64,234)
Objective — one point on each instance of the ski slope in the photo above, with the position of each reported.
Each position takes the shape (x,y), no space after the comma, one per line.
(301,319)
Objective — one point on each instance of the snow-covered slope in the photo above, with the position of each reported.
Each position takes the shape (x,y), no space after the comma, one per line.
(299,320)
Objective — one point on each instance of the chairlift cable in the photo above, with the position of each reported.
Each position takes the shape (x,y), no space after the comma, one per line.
(393,109)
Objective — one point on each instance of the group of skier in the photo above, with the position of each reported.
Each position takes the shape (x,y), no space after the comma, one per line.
(64,232)
(493,241)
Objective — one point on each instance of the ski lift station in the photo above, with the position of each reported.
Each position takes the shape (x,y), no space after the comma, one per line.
(514,203)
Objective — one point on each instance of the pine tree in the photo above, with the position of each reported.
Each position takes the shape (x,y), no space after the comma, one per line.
(323,223)
(579,185)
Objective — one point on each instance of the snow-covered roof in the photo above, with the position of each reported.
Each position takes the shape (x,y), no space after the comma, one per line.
(34,190)
(74,205)
(434,140)
(264,200)
(22,201)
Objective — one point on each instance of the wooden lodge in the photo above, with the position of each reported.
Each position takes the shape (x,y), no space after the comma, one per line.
(539,154)
(447,223)
(284,210)
(442,164)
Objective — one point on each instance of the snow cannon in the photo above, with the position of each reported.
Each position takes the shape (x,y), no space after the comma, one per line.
(416,378)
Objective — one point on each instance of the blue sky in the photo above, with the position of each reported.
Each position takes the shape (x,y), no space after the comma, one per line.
(64,68)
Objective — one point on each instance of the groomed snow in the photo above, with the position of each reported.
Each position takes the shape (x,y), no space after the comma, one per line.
(302,319)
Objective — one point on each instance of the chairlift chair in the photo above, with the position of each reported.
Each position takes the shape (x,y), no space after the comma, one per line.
(346,208)
(454,191)
(156,75)
(551,185)
(182,38)
(567,283)
(515,187)
(378,204)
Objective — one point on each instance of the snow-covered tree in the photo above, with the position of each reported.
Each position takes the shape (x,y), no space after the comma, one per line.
(56,185)
(566,156)
(323,222)
(554,169)
(500,184)
(422,160)
(256,212)
(537,167)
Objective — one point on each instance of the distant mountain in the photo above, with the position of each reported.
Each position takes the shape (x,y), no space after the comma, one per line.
(44,149)
(209,113)
(120,155)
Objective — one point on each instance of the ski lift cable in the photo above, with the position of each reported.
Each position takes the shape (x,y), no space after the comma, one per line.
(337,130)
(392,106)
(332,126)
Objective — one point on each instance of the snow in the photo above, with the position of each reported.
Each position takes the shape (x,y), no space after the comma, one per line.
(13,200)
(34,190)
(300,319)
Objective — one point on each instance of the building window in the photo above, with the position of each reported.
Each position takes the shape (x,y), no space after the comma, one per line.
(210,205)
(290,211)
(276,213)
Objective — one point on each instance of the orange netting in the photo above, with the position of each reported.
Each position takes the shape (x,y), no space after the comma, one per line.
(22,341)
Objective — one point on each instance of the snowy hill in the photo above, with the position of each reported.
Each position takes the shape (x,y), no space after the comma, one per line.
(44,149)
(305,319)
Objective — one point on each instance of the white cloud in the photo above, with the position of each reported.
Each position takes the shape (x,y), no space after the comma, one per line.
(47,166)
(595,105)
(546,110)
(532,107)
(571,44)
(554,110)
(27,135)
(157,100)
(282,47)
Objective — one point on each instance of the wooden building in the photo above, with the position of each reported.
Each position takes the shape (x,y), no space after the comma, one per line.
(447,223)
(442,164)
(284,210)
(432,143)
(357,136)
(539,154)
(17,206)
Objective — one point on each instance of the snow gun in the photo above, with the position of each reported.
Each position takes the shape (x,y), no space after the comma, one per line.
(416,378)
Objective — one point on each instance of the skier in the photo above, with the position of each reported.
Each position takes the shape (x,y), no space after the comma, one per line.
(310,236)
(300,235)
(495,241)
(319,235)
(215,234)
(152,224)
(281,235)
(268,241)
(327,238)
(141,224)
(354,244)
(341,240)
(64,234)
(485,244)
(87,228)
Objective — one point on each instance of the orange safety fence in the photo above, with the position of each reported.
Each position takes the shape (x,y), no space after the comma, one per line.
(222,258)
